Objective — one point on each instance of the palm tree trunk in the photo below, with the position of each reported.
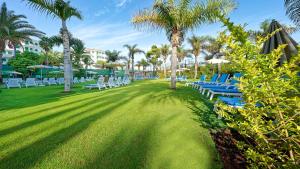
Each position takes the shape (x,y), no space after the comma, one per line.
(1,55)
(15,51)
(174,62)
(47,59)
(196,67)
(132,68)
(86,67)
(165,69)
(67,59)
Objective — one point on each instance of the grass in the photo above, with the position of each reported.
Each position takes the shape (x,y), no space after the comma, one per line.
(142,126)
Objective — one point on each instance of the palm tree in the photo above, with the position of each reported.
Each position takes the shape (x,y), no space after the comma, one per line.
(198,43)
(153,55)
(165,51)
(78,52)
(132,51)
(46,44)
(212,48)
(13,31)
(144,64)
(181,54)
(63,11)
(293,10)
(87,60)
(112,56)
(177,18)
(138,64)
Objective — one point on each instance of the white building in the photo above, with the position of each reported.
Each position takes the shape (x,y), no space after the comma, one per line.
(28,45)
(96,55)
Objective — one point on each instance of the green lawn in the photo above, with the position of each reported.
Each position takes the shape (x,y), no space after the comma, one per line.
(142,126)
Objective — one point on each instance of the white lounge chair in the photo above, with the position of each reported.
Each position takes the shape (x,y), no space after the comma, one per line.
(45,81)
(100,84)
(52,81)
(111,83)
(82,80)
(30,82)
(60,81)
(13,83)
(75,80)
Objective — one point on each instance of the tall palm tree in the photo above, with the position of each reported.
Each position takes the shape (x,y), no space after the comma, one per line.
(132,51)
(198,43)
(46,44)
(293,10)
(177,18)
(63,11)
(165,51)
(13,31)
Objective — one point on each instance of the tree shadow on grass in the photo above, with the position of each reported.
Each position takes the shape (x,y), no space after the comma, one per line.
(127,149)
(28,156)
(201,106)
(52,107)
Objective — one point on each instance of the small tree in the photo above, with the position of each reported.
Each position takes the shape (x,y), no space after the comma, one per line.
(271,116)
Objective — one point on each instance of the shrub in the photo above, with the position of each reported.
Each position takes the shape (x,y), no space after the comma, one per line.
(270,118)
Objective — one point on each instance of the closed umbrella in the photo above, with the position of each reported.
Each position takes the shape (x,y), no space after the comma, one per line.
(279,38)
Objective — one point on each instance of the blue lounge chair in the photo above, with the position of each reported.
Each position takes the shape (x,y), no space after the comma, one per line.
(201,79)
(232,101)
(231,85)
(227,92)
(213,80)
(221,81)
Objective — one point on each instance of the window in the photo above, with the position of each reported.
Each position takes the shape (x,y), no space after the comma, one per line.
(36,44)
(26,48)
(36,50)
(26,42)
(9,52)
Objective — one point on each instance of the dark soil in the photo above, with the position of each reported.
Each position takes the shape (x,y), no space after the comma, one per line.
(231,156)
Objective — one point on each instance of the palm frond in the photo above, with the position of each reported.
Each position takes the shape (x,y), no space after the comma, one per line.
(293,10)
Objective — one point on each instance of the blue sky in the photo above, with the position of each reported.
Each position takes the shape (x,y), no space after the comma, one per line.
(106,23)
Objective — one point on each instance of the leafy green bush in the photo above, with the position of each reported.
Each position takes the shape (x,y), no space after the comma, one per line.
(21,61)
(271,116)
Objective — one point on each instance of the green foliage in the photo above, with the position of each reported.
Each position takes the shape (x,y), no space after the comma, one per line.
(153,55)
(270,118)
(21,61)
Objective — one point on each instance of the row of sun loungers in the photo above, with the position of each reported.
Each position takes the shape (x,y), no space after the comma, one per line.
(32,82)
(220,85)
(111,83)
